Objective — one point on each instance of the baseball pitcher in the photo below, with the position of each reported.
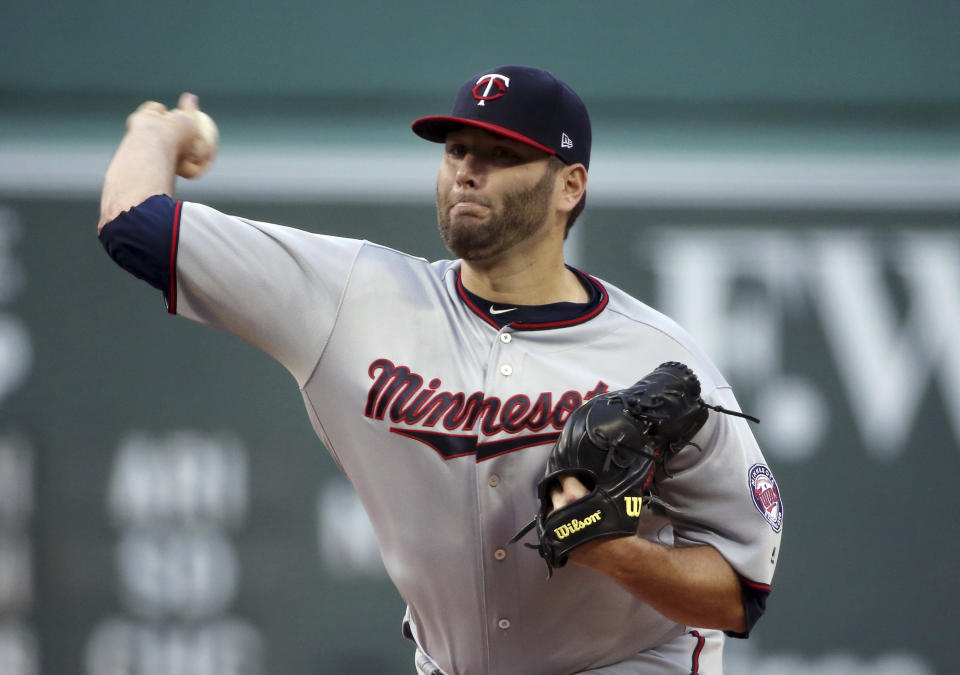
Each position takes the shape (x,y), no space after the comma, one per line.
(559,479)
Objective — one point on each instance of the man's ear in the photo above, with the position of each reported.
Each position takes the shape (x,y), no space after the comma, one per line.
(574,185)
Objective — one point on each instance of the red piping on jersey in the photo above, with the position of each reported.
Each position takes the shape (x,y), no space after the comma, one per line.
(695,665)
(477,310)
(754,584)
(604,299)
(174,245)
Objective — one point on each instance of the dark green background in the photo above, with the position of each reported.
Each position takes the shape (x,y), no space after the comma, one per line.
(863,542)
(869,566)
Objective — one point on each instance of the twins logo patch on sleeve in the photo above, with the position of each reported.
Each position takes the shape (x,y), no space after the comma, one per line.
(766,495)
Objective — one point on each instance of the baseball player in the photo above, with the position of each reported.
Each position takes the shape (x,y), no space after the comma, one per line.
(439,388)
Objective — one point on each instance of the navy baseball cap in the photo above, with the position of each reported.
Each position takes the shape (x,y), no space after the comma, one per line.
(523,103)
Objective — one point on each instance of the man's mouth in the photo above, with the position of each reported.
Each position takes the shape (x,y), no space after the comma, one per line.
(469,208)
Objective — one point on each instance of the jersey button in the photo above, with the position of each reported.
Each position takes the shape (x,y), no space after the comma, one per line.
(504,623)
(494,480)
(505,338)
(506,370)
(499,554)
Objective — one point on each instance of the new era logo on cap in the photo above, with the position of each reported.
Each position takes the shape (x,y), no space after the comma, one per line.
(526,104)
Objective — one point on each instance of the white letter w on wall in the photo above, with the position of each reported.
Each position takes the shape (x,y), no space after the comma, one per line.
(886,362)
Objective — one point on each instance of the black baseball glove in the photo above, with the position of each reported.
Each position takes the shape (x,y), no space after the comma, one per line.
(614,444)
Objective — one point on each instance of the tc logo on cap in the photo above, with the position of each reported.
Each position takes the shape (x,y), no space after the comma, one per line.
(491,80)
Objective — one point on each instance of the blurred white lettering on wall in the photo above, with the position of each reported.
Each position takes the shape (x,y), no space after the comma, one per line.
(174,501)
(888,306)
(19,653)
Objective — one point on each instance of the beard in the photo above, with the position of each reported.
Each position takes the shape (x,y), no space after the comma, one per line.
(521,214)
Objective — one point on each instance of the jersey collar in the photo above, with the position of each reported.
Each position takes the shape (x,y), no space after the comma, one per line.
(538,317)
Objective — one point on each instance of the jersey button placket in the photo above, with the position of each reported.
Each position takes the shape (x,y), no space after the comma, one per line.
(501,583)
(505,338)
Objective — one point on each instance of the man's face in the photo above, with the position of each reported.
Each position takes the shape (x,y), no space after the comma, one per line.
(492,193)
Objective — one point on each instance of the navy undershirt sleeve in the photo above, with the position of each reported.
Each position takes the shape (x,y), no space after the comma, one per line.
(142,241)
(754,605)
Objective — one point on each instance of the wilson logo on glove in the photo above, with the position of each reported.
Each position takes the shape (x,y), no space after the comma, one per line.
(633,506)
(616,444)
(576,525)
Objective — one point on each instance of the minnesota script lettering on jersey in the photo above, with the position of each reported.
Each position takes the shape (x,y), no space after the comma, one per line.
(399,394)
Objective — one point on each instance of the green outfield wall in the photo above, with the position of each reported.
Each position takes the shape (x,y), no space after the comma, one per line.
(781,178)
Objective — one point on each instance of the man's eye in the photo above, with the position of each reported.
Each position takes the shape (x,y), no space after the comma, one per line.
(456,150)
(505,154)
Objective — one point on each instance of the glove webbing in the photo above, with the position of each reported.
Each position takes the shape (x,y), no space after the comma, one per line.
(649,498)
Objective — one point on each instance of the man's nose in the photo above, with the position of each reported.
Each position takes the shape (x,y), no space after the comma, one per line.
(470,171)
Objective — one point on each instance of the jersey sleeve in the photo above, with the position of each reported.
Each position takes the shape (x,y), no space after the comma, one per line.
(141,241)
(276,287)
(729,499)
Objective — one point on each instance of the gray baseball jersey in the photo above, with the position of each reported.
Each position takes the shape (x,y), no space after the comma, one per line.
(441,412)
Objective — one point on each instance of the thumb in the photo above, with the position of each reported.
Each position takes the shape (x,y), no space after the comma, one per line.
(188,102)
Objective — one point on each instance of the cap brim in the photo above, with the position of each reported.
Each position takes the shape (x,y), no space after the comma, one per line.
(436,129)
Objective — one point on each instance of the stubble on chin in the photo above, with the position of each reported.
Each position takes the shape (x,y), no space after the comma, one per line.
(469,237)
(520,215)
